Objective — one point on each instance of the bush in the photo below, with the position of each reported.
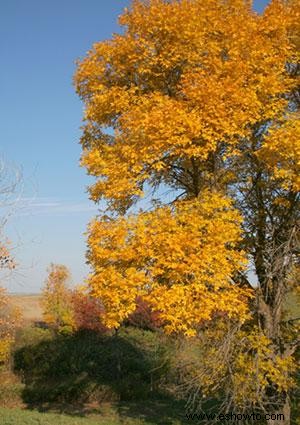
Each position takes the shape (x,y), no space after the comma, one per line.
(87,312)
(31,336)
(11,389)
(9,318)
(87,366)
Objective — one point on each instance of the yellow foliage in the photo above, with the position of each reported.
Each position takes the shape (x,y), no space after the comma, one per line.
(281,152)
(184,78)
(9,316)
(239,363)
(198,98)
(257,367)
(57,298)
(183,88)
(9,319)
(178,258)
(5,345)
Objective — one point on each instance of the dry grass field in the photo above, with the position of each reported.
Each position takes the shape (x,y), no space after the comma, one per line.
(29,305)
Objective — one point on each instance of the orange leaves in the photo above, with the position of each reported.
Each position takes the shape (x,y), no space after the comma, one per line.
(185,90)
(6,261)
(179,259)
(9,319)
(185,78)
(281,152)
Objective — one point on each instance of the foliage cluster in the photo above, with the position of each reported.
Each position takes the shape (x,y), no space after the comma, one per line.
(69,309)
(56,299)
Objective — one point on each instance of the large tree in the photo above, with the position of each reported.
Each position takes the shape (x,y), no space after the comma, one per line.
(202,98)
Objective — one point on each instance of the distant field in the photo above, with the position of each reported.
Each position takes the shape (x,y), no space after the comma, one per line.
(32,310)
(29,306)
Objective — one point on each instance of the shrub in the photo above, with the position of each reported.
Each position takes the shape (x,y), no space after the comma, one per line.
(9,319)
(31,336)
(87,366)
(87,312)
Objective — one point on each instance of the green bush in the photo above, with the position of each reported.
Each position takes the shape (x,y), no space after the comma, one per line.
(31,336)
(85,366)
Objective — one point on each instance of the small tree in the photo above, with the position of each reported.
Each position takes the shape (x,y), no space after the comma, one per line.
(57,298)
(9,320)
(9,316)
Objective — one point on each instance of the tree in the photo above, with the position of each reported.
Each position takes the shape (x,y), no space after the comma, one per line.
(57,298)
(9,316)
(202,98)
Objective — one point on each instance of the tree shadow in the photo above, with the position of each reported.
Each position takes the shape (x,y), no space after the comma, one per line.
(77,373)
(164,411)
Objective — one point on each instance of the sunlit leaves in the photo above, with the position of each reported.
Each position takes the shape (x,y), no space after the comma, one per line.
(9,320)
(178,258)
(185,91)
(184,78)
(57,298)
(281,152)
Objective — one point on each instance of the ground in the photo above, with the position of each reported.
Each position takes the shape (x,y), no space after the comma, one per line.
(156,412)
(110,414)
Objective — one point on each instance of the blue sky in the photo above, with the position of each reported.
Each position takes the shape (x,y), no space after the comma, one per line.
(40,129)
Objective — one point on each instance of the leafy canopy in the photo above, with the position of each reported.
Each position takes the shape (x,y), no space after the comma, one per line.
(184,88)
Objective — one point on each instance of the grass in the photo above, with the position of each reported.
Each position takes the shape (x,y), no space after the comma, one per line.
(89,379)
(23,417)
(109,414)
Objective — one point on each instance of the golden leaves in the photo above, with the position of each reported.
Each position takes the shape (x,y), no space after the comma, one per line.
(182,89)
(9,320)
(184,78)
(179,258)
(57,298)
(281,152)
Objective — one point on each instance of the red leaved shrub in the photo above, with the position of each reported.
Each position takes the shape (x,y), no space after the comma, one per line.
(144,317)
(87,312)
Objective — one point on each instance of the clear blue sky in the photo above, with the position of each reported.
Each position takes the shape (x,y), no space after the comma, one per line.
(40,118)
